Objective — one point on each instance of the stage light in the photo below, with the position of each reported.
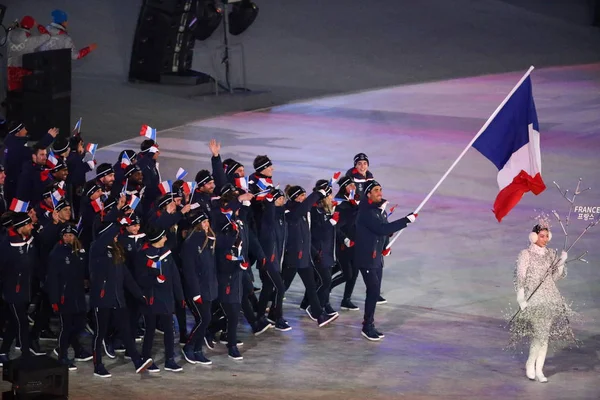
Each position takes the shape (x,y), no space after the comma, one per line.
(208,18)
(242,15)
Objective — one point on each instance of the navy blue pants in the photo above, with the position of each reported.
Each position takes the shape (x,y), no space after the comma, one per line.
(372,278)
(202,314)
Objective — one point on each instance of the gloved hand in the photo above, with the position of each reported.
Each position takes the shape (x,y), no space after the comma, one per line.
(412,217)
(198,299)
(335,218)
(563,256)
(182,304)
(386,252)
(348,242)
(521,298)
(55,307)
(161,278)
(322,193)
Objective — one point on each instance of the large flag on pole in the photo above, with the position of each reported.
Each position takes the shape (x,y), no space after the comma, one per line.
(511,141)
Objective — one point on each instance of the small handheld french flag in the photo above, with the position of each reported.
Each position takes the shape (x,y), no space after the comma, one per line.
(77,126)
(97,205)
(133,202)
(17,205)
(181,173)
(165,187)
(91,148)
(51,161)
(189,187)
(335,178)
(56,198)
(125,161)
(392,208)
(148,132)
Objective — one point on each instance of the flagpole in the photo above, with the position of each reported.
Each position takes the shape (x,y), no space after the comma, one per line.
(483,128)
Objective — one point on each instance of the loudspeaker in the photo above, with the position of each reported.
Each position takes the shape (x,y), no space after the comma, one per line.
(44,111)
(51,71)
(37,378)
(164,40)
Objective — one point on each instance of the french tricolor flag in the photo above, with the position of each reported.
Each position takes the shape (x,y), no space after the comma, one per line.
(51,160)
(181,173)
(165,187)
(91,148)
(97,205)
(125,161)
(56,198)
(148,132)
(189,187)
(133,202)
(77,126)
(17,205)
(241,183)
(512,142)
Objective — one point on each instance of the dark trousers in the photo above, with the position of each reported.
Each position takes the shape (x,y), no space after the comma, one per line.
(166,322)
(232,312)
(218,320)
(372,278)
(247,294)
(42,315)
(181,316)
(202,314)
(71,326)
(133,308)
(308,278)
(288,274)
(120,319)
(18,327)
(323,276)
(273,289)
(348,275)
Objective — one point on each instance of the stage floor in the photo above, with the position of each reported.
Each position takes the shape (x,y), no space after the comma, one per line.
(449,280)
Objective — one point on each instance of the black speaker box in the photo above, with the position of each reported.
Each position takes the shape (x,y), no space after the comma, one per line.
(173,7)
(45,111)
(163,44)
(51,71)
(37,378)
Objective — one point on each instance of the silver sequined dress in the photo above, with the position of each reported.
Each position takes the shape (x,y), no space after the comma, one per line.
(547,314)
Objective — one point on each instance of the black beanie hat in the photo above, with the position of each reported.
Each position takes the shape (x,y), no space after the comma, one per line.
(261,163)
(154,234)
(20,219)
(294,191)
(371,185)
(203,177)
(323,184)
(361,157)
(345,181)
(60,145)
(104,169)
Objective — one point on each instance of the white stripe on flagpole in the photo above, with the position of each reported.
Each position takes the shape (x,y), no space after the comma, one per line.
(483,128)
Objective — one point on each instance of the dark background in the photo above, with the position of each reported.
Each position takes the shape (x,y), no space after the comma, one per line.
(302,49)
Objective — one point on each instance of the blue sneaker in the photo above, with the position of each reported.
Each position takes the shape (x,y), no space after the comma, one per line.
(100,371)
(153,369)
(188,354)
(3,359)
(171,365)
(109,349)
(234,353)
(201,359)
(369,333)
(142,366)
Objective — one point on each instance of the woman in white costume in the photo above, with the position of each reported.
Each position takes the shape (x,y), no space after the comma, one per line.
(544,314)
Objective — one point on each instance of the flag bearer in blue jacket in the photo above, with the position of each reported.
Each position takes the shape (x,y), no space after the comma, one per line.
(372,233)
(273,234)
(17,264)
(109,277)
(200,282)
(67,276)
(299,247)
(159,279)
